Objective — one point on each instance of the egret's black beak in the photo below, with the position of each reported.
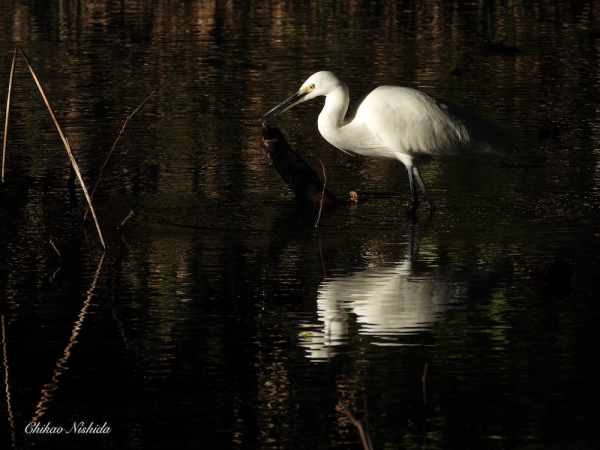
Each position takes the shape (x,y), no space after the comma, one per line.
(284,106)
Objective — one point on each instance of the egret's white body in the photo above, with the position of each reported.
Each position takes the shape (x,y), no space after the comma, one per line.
(398,123)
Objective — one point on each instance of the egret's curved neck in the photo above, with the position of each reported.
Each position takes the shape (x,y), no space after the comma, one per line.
(334,111)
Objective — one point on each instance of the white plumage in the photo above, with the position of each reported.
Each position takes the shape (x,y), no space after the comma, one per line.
(397,123)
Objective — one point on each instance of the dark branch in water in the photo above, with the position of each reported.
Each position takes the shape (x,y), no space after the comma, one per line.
(296,173)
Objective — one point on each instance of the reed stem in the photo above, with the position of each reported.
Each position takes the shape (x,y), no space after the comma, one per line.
(10,84)
(67,146)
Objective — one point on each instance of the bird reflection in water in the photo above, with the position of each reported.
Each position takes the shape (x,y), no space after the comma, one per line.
(394,301)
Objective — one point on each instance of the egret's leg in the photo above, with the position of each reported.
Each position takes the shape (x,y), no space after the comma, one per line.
(414,203)
(432,207)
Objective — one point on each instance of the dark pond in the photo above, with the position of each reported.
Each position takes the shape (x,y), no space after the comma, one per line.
(219,317)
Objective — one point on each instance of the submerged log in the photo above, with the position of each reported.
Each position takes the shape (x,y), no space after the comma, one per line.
(297,174)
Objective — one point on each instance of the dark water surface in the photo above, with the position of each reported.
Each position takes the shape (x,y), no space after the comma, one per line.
(219,317)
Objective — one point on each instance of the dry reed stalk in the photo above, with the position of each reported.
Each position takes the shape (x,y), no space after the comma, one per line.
(10,83)
(114,145)
(67,146)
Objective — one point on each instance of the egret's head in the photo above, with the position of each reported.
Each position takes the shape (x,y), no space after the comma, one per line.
(320,83)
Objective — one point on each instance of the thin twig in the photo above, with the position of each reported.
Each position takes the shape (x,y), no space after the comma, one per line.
(55,249)
(126,219)
(10,83)
(114,145)
(322,193)
(67,146)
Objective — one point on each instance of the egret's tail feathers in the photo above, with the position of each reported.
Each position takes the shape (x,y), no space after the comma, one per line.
(495,141)
(485,136)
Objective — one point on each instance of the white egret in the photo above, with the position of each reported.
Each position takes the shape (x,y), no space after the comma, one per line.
(397,123)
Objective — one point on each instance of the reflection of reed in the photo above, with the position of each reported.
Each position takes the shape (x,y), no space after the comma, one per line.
(7,385)
(129,342)
(61,366)
(361,425)
(365,437)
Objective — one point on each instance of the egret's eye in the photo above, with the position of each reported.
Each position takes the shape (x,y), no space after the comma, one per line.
(311,87)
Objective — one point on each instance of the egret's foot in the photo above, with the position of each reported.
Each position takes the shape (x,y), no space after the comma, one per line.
(432,208)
